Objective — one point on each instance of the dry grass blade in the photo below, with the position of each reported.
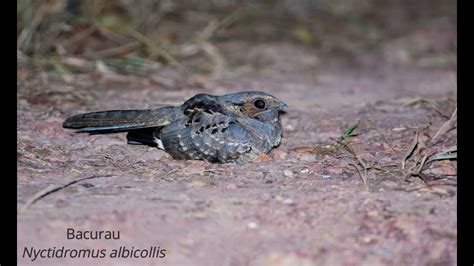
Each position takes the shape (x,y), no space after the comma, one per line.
(203,41)
(78,63)
(214,25)
(216,57)
(51,189)
(155,49)
(27,33)
(348,133)
(363,177)
(412,148)
(448,125)
(421,166)
(114,51)
(74,41)
(448,154)
(425,180)
(359,160)
(22,59)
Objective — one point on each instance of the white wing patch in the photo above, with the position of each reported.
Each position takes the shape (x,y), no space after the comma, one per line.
(159,143)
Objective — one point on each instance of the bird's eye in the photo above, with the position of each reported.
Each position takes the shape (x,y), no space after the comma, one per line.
(260,104)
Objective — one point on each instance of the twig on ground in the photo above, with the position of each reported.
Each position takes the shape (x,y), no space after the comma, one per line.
(51,189)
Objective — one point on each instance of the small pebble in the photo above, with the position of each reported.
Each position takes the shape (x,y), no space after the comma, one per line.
(288,201)
(290,128)
(288,173)
(252,225)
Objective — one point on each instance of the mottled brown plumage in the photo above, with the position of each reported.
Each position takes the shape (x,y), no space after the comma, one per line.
(234,127)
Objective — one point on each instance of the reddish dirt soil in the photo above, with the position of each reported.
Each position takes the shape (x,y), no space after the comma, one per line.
(303,204)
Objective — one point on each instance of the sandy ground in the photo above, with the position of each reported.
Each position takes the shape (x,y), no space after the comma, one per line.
(303,204)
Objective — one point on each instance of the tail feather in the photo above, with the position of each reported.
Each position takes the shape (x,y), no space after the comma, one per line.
(119,120)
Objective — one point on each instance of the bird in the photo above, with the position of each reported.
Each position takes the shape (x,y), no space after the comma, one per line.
(232,128)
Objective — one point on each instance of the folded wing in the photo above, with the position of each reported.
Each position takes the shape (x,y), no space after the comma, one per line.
(122,120)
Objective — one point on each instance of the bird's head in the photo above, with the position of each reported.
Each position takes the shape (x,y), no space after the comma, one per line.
(255,104)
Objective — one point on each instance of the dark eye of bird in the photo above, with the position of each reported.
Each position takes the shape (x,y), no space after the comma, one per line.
(260,104)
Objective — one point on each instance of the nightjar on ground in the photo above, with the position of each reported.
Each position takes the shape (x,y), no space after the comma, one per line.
(236,127)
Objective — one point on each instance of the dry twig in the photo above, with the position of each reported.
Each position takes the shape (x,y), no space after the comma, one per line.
(51,189)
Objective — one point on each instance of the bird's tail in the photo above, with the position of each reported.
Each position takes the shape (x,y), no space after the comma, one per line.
(120,120)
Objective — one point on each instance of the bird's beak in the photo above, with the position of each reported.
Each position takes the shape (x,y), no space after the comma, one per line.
(282,106)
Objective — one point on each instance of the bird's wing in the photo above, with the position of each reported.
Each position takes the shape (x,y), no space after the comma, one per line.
(208,132)
(122,120)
